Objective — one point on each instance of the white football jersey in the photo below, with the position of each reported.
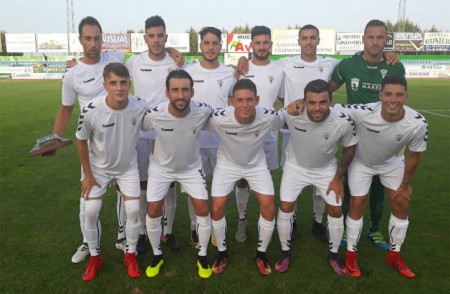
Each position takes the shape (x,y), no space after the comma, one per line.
(149,79)
(177,138)
(378,140)
(242,144)
(298,73)
(84,82)
(212,86)
(269,81)
(313,144)
(112,134)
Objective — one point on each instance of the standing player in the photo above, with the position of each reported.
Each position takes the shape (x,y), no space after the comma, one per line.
(149,70)
(111,124)
(213,84)
(300,70)
(242,129)
(82,83)
(177,158)
(269,80)
(362,75)
(311,160)
(384,129)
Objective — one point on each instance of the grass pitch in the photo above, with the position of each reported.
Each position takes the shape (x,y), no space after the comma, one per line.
(40,227)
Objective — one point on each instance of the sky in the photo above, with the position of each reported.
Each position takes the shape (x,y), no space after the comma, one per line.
(49,16)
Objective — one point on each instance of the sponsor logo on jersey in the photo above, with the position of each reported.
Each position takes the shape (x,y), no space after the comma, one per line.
(194,130)
(301,130)
(146,69)
(199,81)
(220,82)
(371,67)
(88,81)
(250,76)
(399,137)
(298,66)
(270,79)
(134,120)
(230,133)
(373,131)
(109,125)
(383,72)
(355,84)
(326,135)
(166,130)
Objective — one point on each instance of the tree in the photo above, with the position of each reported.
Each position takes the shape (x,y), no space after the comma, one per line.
(193,41)
(408,25)
(433,29)
(296,27)
(130,31)
(246,29)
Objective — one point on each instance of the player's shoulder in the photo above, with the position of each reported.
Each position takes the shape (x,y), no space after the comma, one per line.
(113,56)
(201,106)
(369,107)
(339,116)
(414,116)
(226,69)
(138,102)
(266,112)
(222,113)
(329,60)
(157,110)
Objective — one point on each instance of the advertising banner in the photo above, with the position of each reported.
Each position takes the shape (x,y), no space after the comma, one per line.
(52,43)
(119,42)
(74,43)
(408,41)
(20,43)
(239,43)
(285,42)
(349,42)
(390,42)
(327,41)
(437,41)
(232,58)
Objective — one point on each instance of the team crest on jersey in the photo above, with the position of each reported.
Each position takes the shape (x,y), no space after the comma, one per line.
(194,130)
(355,84)
(270,79)
(383,72)
(256,133)
(134,120)
(321,68)
(326,135)
(399,137)
(220,82)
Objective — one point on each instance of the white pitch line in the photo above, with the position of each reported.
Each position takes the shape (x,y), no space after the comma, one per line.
(437,110)
(438,114)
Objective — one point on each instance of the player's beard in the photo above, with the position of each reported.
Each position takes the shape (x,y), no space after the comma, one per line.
(261,57)
(180,109)
(210,60)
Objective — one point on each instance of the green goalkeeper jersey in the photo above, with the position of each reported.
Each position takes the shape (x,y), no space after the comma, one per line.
(363,79)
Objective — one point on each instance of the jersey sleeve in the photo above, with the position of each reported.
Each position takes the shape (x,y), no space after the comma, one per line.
(349,136)
(420,139)
(338,75)
(69,95)
(85,126)
(276,121)
(148,119)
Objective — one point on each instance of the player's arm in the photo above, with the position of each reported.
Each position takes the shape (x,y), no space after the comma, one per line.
(62,119)
(411,163)
(242,66)
(296,108)
(334,86)
(336,183)
(88,180)
(176,56)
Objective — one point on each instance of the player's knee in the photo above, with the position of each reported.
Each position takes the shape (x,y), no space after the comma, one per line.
(268,211)
(400,205)
(287,207)
(334,211)
(92,210)
(133,210)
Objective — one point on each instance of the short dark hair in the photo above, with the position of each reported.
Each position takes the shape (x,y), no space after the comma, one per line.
(260,30)
(179,74)
(88,20)
(244,84)
(117,68)
(308,27)
(394,80)
(155,21)
(375,23)
(317,86)
(212,30)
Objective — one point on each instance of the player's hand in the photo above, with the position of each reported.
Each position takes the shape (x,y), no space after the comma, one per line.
(71,63)
(391,57)
(51,152)
(404,192)
(242,66)
(338,189)
(86,186)
(295,108)
(176,56)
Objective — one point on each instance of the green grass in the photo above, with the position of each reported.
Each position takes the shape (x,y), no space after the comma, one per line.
(40,230)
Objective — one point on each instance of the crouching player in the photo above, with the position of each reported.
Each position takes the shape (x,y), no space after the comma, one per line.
(311,160)
(111,124)
(384,129)
(176,157)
